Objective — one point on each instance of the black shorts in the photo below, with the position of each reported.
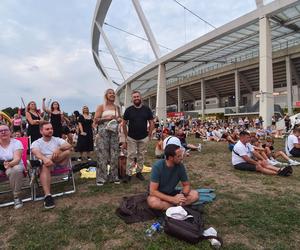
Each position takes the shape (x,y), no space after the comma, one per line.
(295,152)
(245,166)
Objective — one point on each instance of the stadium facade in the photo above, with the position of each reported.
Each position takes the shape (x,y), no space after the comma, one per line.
(243,67)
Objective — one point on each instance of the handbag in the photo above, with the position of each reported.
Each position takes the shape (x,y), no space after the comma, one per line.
(190,229)
(113,124)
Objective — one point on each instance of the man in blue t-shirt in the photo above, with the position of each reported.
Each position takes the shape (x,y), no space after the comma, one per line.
(165,176)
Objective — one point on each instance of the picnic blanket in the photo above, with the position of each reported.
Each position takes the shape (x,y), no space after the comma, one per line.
(90,173)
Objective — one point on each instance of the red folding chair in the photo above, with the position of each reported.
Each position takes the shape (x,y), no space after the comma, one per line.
(62,178)
(5,190)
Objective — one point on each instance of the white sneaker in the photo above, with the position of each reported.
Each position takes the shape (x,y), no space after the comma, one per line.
(199,147)
(99,183)
(18,203)
(273,162)
(294,163)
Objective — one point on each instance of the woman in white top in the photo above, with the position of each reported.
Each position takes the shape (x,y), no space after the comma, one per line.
(11,162)
(107,119)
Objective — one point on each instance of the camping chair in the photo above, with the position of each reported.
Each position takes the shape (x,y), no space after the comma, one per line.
(5,190)
(61,177)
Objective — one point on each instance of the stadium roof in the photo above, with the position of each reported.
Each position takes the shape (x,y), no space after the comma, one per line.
(233,42)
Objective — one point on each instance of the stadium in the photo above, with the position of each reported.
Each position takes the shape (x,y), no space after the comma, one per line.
(241,68)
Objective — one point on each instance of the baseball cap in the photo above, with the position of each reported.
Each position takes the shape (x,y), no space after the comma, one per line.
(172,140)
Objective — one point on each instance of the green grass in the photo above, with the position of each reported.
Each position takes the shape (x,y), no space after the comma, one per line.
(252,211)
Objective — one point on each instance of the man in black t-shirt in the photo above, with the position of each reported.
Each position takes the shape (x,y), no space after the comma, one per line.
(138,134)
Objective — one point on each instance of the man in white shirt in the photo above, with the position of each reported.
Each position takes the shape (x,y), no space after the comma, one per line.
(51,151)
(293,145)
(242,159)
(11,162)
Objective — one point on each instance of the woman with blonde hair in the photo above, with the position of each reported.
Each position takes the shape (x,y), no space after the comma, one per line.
(85,134)
(107,118)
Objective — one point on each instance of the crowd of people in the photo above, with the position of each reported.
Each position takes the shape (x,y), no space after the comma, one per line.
(110,135)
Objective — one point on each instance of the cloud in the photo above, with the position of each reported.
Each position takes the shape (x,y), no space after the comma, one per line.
(171,24)
(45,51)
(45,47)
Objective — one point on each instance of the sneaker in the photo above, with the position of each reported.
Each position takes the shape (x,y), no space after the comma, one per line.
(117,181)
(18,203)
(127,179)
(199,147)
(49,202)
(294,163)
(286,171)
(89,158)
(140,176)
(99,183)
(79,159)
(273,163)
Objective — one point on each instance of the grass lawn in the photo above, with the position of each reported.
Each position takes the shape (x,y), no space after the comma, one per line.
(252,211)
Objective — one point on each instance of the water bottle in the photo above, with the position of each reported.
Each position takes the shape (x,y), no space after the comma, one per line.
(155,227)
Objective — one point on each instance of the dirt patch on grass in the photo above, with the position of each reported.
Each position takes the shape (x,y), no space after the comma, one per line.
(238,238)
(80,245)
(111,244)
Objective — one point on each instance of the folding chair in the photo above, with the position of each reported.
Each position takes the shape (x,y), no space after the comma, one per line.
(5,190)
(61,176)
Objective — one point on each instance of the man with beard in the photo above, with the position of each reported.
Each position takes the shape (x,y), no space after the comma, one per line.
(138,134)
(52,151)
(165,176)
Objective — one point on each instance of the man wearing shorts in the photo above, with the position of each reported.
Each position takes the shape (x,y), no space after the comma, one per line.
(51,151)
(165,176)
(243,159)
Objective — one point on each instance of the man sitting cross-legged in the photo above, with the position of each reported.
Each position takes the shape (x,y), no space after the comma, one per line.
(165,176)
(51,151)
(243,154)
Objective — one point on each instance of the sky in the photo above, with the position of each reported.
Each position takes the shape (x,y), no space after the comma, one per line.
(45,46)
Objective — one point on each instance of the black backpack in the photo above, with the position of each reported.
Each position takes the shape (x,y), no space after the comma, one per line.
(189,230)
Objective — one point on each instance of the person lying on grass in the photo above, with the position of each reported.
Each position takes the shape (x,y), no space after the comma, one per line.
(165,175)
(243,159)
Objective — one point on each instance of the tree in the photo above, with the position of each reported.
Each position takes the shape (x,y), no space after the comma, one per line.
(10,111)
